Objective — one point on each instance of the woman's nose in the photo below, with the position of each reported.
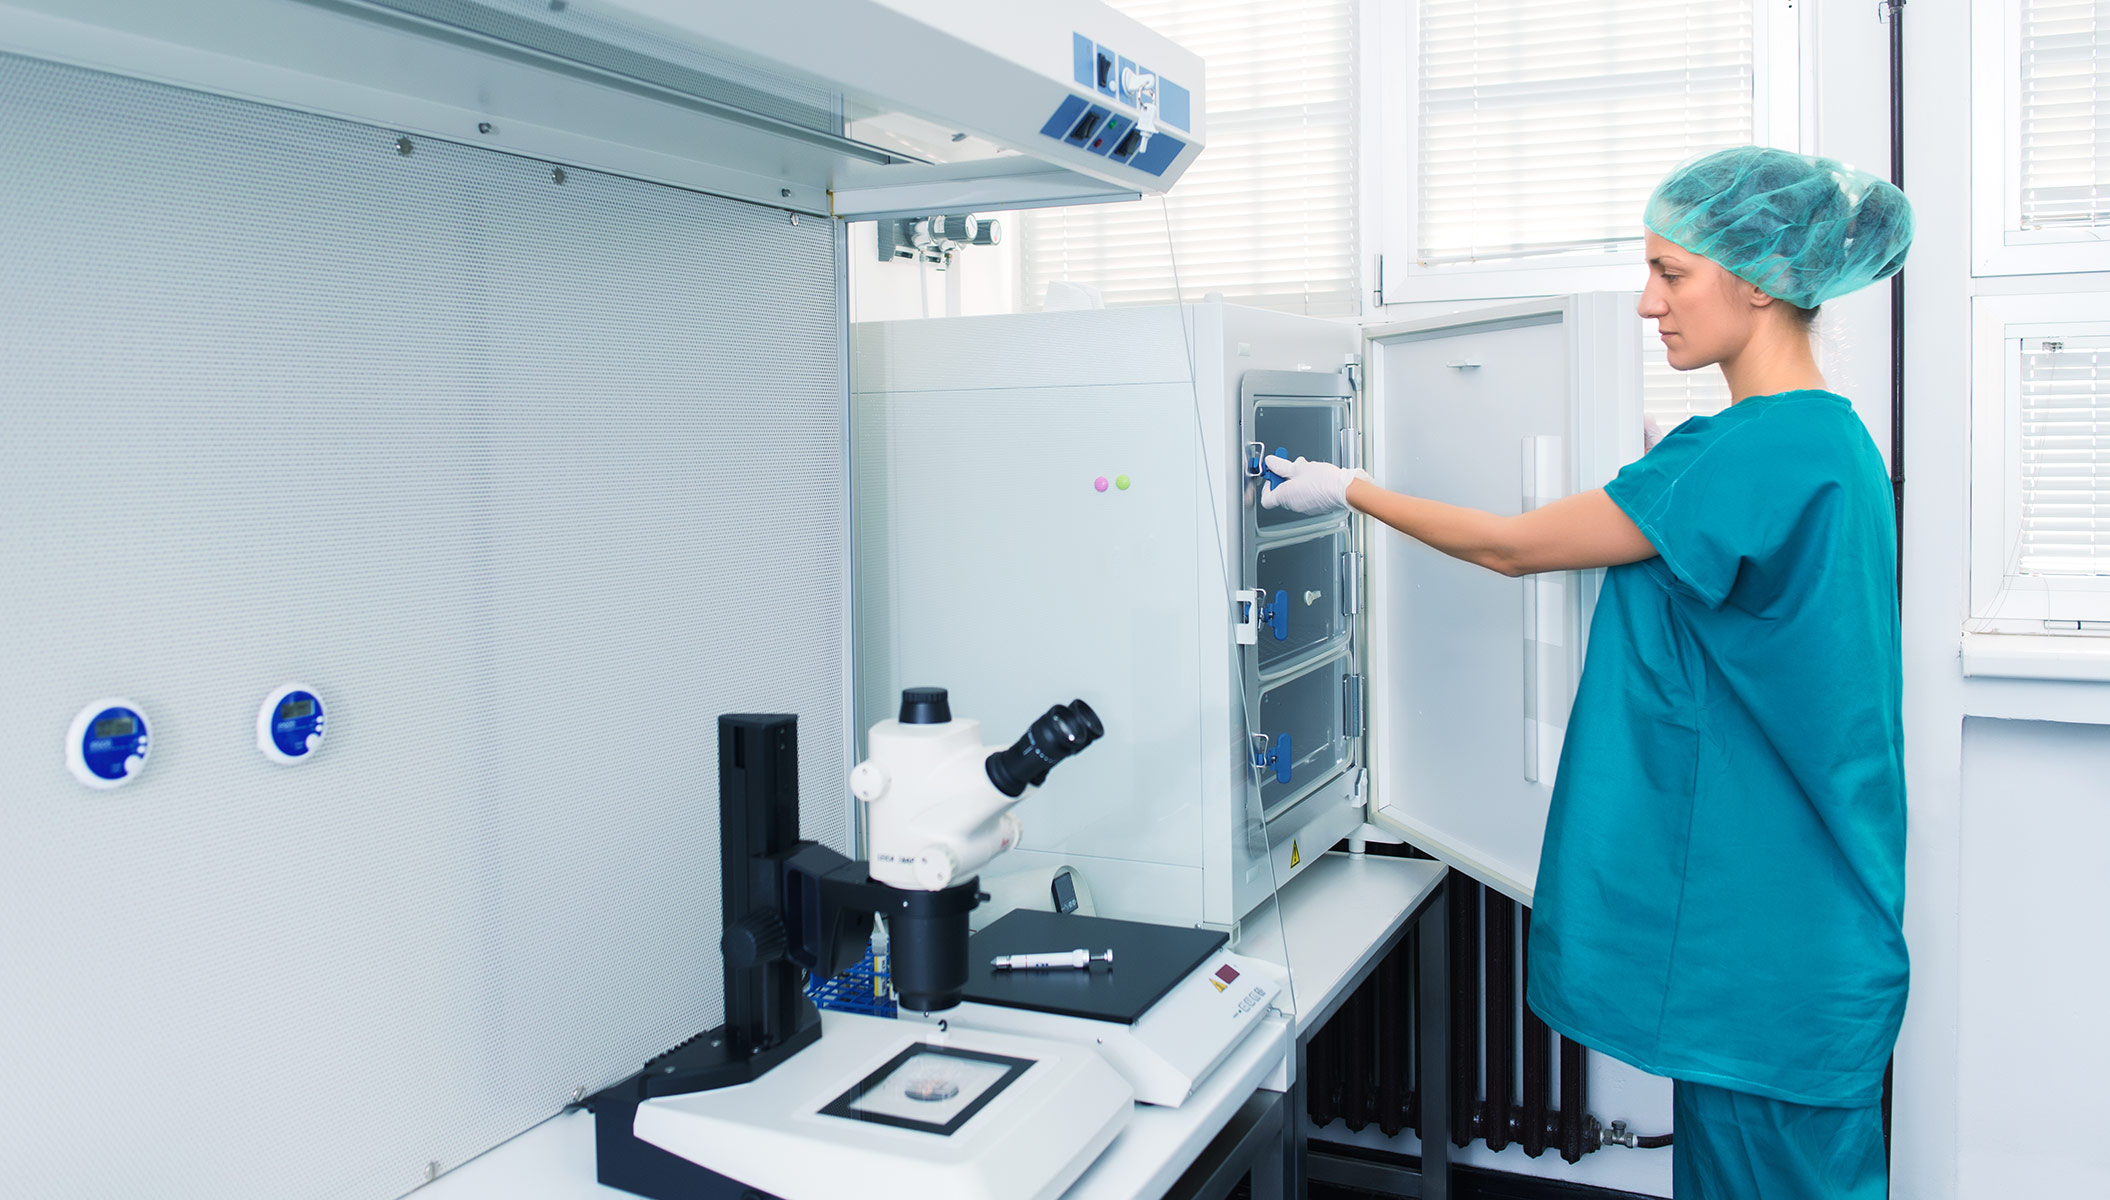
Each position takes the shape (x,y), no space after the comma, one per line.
(1650,306)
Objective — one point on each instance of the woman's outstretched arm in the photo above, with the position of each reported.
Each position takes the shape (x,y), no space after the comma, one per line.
(1571,534)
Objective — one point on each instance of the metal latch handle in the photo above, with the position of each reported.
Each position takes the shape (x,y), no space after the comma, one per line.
(1273,754)
(1254,610)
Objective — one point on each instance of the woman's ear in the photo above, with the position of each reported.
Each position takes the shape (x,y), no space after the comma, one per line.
(1754,296)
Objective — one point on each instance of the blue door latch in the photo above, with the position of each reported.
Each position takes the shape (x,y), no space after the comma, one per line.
(1275,753)
(1276,616)
(1256,464)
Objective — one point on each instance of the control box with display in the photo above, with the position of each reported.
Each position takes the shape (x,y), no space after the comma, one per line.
(106,746)
(289,725)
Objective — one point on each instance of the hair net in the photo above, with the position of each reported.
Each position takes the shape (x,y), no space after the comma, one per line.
(1799,228)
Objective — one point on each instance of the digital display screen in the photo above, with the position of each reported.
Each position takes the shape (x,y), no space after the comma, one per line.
(295,708)
(115,727)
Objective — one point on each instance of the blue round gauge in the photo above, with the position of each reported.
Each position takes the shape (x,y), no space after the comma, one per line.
(290,724)
(107,743)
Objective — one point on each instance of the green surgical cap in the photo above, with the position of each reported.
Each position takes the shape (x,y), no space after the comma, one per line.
(1799,228)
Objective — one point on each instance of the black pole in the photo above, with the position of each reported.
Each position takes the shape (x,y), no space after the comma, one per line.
(1356,1057)
(1895,9)
(758,817)
(1394,1023)
(1575,1100)
(1433,1013)
(1465,1002)
(1537,1068)
(1500,1018)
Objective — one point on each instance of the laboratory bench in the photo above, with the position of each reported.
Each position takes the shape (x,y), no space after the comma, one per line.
(1337,920)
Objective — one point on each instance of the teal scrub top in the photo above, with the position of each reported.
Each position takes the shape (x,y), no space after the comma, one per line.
(1721,893)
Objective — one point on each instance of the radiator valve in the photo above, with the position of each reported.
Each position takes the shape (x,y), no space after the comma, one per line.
(1617,1134)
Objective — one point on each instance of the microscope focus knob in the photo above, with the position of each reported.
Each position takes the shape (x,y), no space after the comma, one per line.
(754,939)
(935,868)
(868,781)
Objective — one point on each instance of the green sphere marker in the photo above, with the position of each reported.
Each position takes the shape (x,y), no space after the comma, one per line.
(1121,481)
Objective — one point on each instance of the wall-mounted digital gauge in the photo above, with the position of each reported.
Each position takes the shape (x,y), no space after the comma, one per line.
(106,746)
(289,725)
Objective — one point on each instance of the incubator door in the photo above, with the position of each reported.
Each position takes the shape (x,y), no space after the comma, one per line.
(1471,674)
(1296,414)
(1302,739)
(1299,658)
(1302,599)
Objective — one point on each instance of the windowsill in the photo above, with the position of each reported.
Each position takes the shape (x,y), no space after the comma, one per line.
(2036,656)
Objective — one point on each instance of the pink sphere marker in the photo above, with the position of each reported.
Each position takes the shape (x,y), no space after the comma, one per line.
(1099,484)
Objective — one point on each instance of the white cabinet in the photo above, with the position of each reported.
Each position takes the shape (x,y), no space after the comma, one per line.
(1059,505)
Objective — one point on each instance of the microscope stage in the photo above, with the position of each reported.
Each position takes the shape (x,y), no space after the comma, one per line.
(908,1112)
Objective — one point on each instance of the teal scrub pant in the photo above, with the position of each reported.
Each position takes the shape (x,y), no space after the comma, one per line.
(1736,1146)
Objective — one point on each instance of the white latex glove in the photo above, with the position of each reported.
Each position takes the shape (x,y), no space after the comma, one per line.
(1308,489)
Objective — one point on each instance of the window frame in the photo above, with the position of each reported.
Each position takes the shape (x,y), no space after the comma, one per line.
(1999,246)
(1391,49)
(2002,602)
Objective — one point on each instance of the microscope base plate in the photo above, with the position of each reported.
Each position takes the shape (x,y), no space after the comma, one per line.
(910,1112)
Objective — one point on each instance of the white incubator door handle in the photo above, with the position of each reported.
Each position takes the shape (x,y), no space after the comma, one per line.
(1545,602)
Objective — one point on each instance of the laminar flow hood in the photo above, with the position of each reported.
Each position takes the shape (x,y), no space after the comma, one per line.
(847,108)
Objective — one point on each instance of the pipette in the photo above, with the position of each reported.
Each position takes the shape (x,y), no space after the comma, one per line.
(1058,958)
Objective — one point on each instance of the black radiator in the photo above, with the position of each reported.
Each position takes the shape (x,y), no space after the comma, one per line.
(1362,1065)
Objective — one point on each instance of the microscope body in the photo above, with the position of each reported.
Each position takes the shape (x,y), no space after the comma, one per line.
(935,817)
(939,803)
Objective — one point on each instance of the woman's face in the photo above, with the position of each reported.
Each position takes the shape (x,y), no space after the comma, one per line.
(1704,314)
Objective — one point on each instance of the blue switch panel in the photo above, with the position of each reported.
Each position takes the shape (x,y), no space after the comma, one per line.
(1121,72)
(1081,53)
(1158,154)
(1065,117)
(1174,105)
(1110,134)
(1087,126)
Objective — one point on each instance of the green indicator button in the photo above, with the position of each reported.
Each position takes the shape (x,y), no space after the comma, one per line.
(1121,481)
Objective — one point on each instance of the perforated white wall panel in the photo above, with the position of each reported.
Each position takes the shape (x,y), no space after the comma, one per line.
(531,480)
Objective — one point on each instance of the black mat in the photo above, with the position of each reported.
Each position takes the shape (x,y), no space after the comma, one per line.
(1148,960)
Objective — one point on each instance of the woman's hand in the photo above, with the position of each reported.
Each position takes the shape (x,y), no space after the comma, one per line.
(1308,488)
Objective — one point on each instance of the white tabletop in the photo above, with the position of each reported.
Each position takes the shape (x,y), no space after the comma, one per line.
(1337,914)
(555,1160)
(1336,917)
(1159,1143)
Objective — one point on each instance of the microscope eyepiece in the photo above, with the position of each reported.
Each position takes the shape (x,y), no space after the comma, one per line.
(1058,733)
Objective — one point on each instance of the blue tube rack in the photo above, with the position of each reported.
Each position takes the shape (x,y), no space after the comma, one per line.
(861,989)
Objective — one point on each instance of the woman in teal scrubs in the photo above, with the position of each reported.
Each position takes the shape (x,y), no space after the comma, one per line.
(1720,896)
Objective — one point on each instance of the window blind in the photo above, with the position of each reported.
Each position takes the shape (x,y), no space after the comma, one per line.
(2065,457)
(2065,159)
(1544,124)
(1266,216)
